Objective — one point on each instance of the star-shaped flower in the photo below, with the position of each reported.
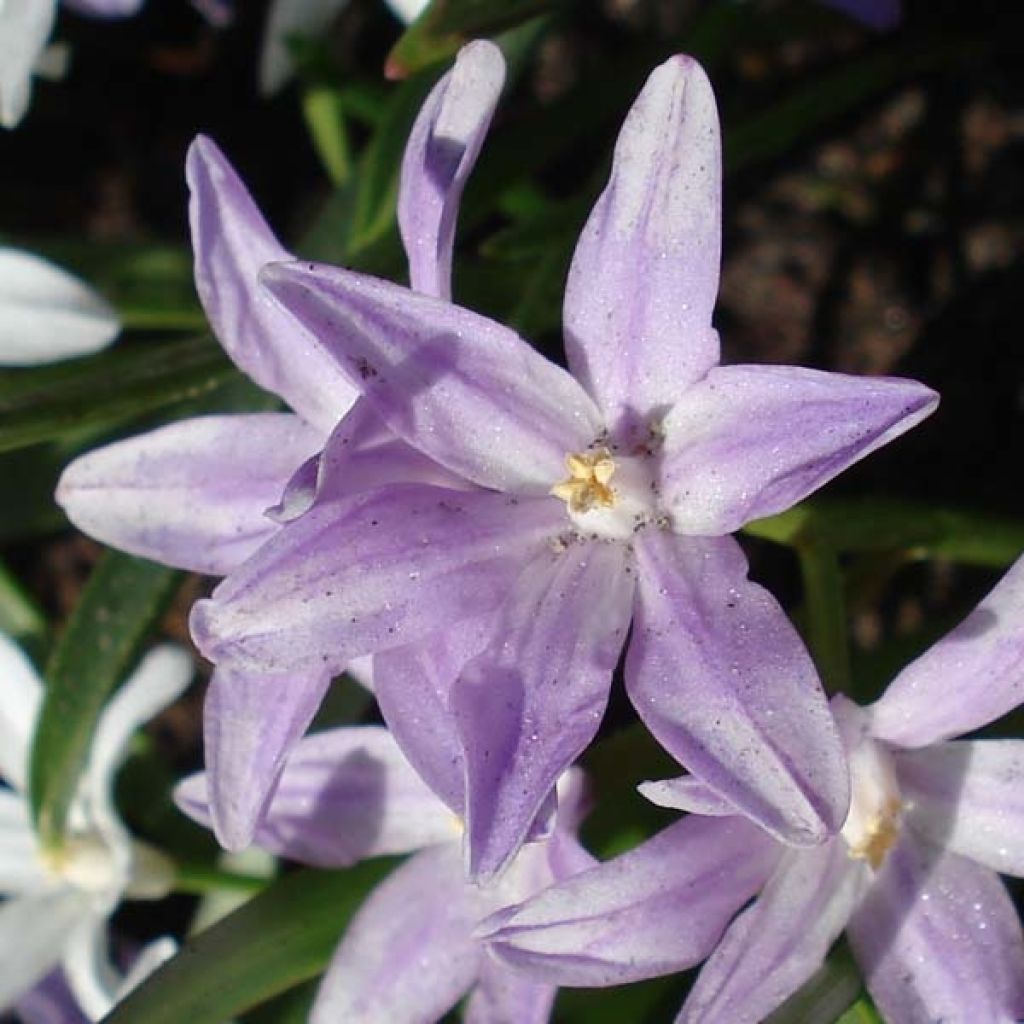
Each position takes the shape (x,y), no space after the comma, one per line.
(507,605)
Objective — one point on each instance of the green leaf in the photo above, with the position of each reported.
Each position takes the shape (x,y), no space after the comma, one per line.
(277,940)
(324,110)
(122,599)
(20,617)
(50,402)
(862,1012)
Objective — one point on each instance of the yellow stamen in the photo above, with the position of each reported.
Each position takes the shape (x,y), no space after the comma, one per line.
(879,835)
(587,486)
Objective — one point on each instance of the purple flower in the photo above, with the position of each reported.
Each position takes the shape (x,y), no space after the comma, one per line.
(196,493)
(599,499)
(912,876)
(410,953)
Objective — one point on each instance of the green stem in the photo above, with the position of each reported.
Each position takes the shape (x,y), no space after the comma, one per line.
(201,879)
(825,611)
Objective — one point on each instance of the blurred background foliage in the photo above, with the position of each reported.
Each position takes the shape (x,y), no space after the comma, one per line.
(874,214)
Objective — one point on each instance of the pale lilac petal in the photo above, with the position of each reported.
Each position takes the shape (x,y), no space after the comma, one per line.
(971,677)
(407,10)
(686,793)
(344,795)
(381,569)
(879,14)
(439,156)
(251,722)
(46,314)
(466,391)
(750,441)
(722,679)
(33,929)
(408,954)
(25,25)
(644,278)
(21,869)
(49,1002)
(412,689)
(105,8)
(506,996)
(161,678)
(231,242)
(938,938)
(776,945)
(530,705)
(968,797)
(658,909)
(19,711)
(191,494)
(307,19)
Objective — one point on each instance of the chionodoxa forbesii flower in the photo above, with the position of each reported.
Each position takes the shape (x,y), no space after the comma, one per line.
(57,901)
(195,494)
(591,500)
(911,877)
(410,953)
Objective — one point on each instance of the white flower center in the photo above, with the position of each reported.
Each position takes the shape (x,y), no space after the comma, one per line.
(86,862)
(608,496)
(873,824)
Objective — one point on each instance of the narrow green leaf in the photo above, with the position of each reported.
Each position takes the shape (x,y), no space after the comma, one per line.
(122,599)
(50,402)
(20,617)
(277,940)
(825,612)
(862,1012)
(324,110)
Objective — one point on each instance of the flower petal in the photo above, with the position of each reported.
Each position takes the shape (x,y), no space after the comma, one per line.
(231,242)
(470,393)
(381,569)
(750,441)
(439,156)
(33,930)
(46,314)
(686,793)
(412,687)
(286,19)
(776,945)
(91,976)
(161,678)
(938,938)
(505,995)
(967,797)
(721,678)
(25,25)
(105,8)
(344,795)
(971,677)
(529,705)
(644,278)
(408,954)
(20,867)
(49,1002)
(658,909)
(19,711)
(251,723)
(192,494)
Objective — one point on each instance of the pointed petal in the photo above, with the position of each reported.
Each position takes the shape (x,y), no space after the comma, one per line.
(658,909)
(20,867)
(413,685)
(408,954)
(192,494)
(288,18)
(644,278)
(46,314)
(25,25)
(971,677)
(530,705)
(470,393)
(967,797)
(344,795)
(381,569)
(19,710)
(105,8)
(231,242)
(251,722)
(161,678)
(33,930)
(49,1002)
(938,938)
(776,945)
(152,955)
(750,441)
(721,678)
(91,976)
(686,793)
(439,156)
(504,995)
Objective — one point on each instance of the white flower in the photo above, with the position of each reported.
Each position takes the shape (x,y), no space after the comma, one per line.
(58,901)
(46,314)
